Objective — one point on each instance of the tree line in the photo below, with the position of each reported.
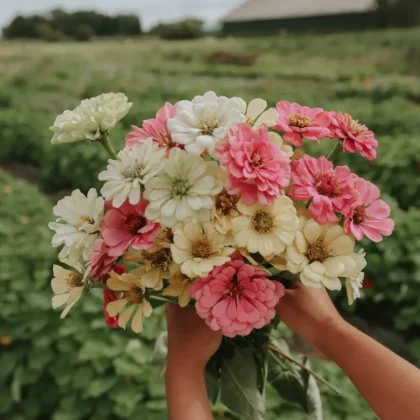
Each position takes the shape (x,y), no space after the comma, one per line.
(59,25)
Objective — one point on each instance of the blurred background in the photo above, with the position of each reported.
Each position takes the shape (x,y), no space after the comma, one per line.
(360,57)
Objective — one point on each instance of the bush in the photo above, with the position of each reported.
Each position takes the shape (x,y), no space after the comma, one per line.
(83,33)
(22,137)
(46,33)
(76,368)
(183,29)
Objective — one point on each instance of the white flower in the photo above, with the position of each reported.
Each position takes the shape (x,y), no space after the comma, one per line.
(321,254)
(200,123)
(355,281)
(132,295)
(77,226)
(256,112)
(92,119)
(276,139)
(183,189)
(198,248)
(266,229)
(179,286)
(127,176)
(68,286)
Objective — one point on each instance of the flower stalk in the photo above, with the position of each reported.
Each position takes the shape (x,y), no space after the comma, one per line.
(105,142)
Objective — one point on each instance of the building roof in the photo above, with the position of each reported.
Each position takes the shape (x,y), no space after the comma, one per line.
(283,9)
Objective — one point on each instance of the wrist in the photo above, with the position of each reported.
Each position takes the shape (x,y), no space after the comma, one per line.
(188,366)
(330,333)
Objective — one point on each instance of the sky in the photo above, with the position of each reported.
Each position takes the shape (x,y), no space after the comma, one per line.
(150,11)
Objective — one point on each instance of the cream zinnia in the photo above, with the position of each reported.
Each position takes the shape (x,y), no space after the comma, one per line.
(321,254)
(127,176)
(200,123)
(266,229)
(198,247)
(91,120)
(77,226)
(183,190)
(132,305)
(68,286)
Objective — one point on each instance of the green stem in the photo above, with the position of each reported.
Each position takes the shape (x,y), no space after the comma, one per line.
(334,150)
(276,350)
(106,144)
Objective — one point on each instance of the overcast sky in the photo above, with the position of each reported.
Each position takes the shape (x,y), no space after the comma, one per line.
(150,11)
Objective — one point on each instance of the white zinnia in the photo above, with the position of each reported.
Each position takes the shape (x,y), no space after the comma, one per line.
(355,281)
(127,176)
(200,123)
(91,120)
(183,189)
(321,254)
(266,229)
(198,248)
(77,226)
(68,286)
(256,112)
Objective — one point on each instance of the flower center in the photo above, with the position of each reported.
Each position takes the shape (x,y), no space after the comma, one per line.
(316,251)
(169,234)
(299,120)
(134,295)
(326,184)
(134,171)
(357,128)
(160,258)
(201,249)
(256,159)
(359,215)
(225,203)
(74,279)
(234,289)
(180,187)
(134,222)
(207,127)
(82,221)
(263,221)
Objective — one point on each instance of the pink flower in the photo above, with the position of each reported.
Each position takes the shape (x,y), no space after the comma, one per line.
(258,169)
(369,215)
(300,122)
(100,261)
(236,298)
(109,296)
(329,188)
(126,226)
(156,128)
(356,137)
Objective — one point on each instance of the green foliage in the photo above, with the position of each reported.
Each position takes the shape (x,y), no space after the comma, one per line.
(183,29)
(83,32)
(76,368)
(79,25)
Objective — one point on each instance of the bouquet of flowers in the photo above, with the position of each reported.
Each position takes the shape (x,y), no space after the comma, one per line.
(213,204)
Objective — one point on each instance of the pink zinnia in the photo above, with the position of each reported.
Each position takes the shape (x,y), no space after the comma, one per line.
(126,226)
(100,261)
(329,188)
(156,128)
(300,122)
(258,170)
(236,298)
(356,137)
(369,215)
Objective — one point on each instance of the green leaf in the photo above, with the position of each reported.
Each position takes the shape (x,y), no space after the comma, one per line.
(16,387)
(101,386)
(313,396)
(239,388)
(213,379)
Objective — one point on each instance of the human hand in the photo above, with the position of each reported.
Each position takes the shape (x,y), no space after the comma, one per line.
(190,341)
(310,313)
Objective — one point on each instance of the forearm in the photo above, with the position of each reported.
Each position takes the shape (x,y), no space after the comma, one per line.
(390,385)
(186,392)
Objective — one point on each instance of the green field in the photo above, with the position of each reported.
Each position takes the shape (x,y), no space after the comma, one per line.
(77,368)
